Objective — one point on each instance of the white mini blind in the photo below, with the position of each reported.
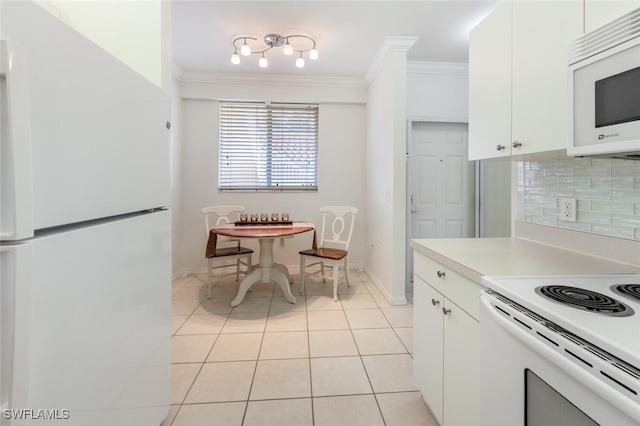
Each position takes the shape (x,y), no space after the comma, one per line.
(268,147)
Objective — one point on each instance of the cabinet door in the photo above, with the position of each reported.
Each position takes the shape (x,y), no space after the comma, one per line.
(600,12)
(542,31)
(461,368)
(428,349)
(490,85)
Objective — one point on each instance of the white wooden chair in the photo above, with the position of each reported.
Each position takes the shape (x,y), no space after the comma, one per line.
(333,247)
(226,248)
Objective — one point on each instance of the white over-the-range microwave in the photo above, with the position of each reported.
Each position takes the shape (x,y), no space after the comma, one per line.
(604,77)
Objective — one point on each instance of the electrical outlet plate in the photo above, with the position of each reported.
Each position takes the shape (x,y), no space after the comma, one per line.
(568,209)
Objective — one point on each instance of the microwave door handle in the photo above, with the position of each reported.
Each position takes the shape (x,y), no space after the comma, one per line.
(16,189)
(626,405)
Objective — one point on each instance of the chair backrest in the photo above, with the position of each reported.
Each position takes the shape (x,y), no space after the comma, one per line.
(337,226)
(217,215)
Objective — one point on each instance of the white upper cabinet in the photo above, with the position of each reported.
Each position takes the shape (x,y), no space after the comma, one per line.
(518,79)
(490,85)
(542,32)
(600,12)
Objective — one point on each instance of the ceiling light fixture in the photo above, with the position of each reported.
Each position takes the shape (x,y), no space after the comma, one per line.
(292,43)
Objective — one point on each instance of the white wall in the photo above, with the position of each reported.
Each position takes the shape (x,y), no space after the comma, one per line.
(341,144)
(386,176)
(496,209)
(437,92)
(136,32)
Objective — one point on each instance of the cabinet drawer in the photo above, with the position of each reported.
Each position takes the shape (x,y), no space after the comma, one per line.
(453,286)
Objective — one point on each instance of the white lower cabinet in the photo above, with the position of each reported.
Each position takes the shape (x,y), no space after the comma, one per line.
(428,349)
(446,345)
(461,368)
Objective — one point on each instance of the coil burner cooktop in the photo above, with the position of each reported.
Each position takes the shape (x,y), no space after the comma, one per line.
(627,290)
(586,300)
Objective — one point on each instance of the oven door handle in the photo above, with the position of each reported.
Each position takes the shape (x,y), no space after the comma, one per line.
(608,393)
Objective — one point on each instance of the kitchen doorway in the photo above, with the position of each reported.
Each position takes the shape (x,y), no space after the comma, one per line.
(441,189)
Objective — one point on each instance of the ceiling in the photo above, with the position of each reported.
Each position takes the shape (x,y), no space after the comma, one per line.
(348,34)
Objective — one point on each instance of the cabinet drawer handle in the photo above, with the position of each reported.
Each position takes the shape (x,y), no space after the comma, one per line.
(446,311)
(440,274)
(435,302)
(500,147)
(516,144)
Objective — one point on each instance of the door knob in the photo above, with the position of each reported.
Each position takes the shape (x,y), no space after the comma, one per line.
(434,302)
(500,147)
(516,144)
(446,311)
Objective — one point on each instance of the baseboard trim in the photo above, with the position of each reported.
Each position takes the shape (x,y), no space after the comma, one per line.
(394,301)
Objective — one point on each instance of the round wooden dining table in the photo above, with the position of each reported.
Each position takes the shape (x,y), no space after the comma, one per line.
(266,271)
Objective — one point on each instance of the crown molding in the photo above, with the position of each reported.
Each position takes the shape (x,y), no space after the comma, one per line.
(176,71)
(389,46)
(420,67)
(272,80)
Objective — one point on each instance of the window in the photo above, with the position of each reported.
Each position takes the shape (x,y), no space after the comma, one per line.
(268,147)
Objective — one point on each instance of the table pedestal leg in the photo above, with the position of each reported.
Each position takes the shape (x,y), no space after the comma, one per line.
(285,271)
(266,272)
(246,284)
(282,280)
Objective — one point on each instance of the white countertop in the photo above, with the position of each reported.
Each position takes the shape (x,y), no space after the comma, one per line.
(475,257)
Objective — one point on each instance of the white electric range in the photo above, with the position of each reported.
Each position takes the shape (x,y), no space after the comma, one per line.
(561,350)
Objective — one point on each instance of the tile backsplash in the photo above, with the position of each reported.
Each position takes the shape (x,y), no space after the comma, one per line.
(607,193)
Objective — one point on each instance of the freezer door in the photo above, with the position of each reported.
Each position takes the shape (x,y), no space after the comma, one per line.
(96,348)
(98,130)
(16,209)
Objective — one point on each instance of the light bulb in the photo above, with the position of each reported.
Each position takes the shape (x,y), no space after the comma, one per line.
(313,54)
(287,49)
(263,62)
(300,62)
(235,58)
(245,49)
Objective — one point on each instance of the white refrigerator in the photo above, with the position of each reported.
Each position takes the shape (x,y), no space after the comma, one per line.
(85,295)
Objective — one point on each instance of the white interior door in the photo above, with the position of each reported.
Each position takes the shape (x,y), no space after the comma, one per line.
(441,183)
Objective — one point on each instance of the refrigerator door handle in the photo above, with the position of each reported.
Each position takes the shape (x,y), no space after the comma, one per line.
(16,188)
(15,326)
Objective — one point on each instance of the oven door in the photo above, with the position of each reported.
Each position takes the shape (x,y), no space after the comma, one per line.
(523,382)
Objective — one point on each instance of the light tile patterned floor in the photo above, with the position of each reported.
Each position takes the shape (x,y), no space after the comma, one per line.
(270,362)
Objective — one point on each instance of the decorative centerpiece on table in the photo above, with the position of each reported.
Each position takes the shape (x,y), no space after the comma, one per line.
(255,219)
